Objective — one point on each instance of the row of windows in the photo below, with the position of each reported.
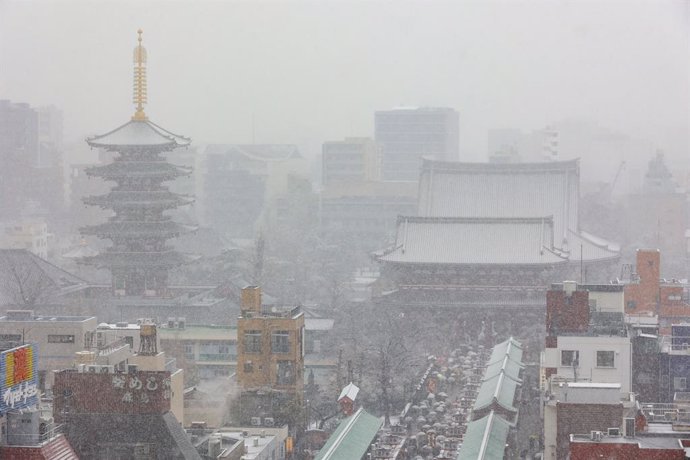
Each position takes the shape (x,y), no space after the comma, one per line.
(285,371)
(280,342)
(605,358)
(60,338)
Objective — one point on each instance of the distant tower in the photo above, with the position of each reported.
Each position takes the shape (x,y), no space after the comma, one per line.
(139,259)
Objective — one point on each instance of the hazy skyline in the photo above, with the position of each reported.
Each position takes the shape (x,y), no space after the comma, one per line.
(307,72)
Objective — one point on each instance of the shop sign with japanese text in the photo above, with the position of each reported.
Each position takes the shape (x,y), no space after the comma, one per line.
(18,378)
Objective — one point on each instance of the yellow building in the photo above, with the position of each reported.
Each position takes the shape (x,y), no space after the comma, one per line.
(270,357)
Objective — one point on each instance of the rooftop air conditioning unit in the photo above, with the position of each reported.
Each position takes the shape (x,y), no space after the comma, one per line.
(92,368)
(181,322)
(614,432)
(107,369)
(132,368)
(171,323)
(596,436)
(269,421)
(256,421)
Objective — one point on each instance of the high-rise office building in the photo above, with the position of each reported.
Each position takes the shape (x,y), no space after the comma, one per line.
(30,159)
(407,134)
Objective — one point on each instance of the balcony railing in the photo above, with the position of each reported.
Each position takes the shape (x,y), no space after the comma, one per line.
(34,439)
(113,347)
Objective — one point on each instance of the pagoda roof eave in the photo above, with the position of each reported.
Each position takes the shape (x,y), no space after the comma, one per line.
(122,169)
(138,134)
(119,200)
(166,229)
(167,259)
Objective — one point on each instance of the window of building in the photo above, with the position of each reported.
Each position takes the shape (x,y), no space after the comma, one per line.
(606,359)
(248,366)
(570,357)
(286,373)
(10,338)
(189,350)
(679,383)
(280,342)
(60,339)
(252,342)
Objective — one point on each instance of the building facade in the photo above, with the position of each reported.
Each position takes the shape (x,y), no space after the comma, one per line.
(270,358)
(407,134)
(355,159)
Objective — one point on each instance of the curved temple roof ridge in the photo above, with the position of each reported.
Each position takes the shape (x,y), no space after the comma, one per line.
(429,164)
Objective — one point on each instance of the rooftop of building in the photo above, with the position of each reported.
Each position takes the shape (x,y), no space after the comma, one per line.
(563,391)
(644,442)
(467,296)
(601,324)
(412,108)
(512,190)
(352,437)
(274,312)
(528,241)
(590,287)
(20,267)
(485,438)
(13,316)
(210,332)
(318,324)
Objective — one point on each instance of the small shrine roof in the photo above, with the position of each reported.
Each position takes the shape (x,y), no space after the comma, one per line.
(350,392)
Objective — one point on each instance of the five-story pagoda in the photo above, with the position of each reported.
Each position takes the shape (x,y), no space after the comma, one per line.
(139,259)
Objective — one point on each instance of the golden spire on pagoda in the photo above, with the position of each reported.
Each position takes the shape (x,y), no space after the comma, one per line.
(139,80)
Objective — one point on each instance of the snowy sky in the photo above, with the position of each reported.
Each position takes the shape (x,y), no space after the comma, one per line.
(305,72)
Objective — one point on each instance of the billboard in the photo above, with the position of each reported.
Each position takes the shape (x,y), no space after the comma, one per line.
(18,378)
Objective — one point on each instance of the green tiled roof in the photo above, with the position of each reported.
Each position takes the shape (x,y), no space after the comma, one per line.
(510,347)
(352,438)
(499,388)
(485,438)
(508,366)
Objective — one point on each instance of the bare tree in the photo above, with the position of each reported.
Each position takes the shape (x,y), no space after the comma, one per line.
(392,353)
(23,283)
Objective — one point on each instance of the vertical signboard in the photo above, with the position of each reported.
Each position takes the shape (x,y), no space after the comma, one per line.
(18,378)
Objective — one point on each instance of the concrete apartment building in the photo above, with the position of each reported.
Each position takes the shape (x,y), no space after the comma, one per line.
(58,338)
(587,339)
(270,356)
(587,363)
(212,349)
(406,134)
